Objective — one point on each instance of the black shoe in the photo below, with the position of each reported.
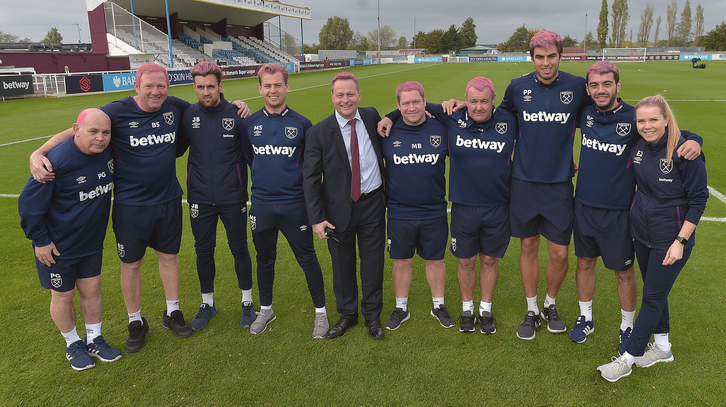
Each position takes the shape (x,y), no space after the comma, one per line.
(176,323)
(398,317)
(486,320)
(555,324)
(528,329)
(442,315)
(340,327)
(375,330)
(137,335)
(467,319)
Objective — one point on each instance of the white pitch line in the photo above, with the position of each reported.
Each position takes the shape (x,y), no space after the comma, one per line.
(721,197)
(23,141)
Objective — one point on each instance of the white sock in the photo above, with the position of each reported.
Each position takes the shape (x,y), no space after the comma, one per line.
(662,341)
(438,301)
(548,301)
(171,306)
(402,303)
(246,295)
(629,359)
(208,298)
(71,337)
(586,309)
(321,311)
(135,316)
(467,306)
(532,305)
(92,331)
(485,306)
(264,307)
(627,319)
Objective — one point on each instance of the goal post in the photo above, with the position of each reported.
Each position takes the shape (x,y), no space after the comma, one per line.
(624,54)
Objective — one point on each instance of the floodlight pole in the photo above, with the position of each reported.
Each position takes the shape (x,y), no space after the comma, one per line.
(584,41)
(79,31)
(379,32)
(168,32)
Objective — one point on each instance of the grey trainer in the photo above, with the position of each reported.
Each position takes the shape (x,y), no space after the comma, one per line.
(321,325)
(616,369)
(264,317)
(653,355)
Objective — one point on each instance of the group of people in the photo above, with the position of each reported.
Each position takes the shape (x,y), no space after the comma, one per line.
(511,170)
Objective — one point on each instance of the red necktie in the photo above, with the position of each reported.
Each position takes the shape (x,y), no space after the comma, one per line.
(354,163)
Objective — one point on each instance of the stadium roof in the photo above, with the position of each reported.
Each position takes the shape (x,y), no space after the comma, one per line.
(249,13)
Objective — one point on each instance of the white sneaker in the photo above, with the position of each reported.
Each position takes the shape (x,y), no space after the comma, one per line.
(321,325)
(653,355)
(264,317)
(616,369)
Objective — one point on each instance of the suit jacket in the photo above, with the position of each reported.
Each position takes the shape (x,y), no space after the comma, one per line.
(327,172)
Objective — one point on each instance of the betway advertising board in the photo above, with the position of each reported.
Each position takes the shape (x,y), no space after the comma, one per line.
(16,85)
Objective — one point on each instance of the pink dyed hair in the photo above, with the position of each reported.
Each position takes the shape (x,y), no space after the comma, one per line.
(344,76)
(151,67)
(601,68)
(409,86)
(480,83)
(205,68)
(271,69)
(545,39)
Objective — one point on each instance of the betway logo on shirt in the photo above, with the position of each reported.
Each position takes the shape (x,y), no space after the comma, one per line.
(545,117)
(617,149)
(95,193)
(274,150)
(416,159)
(152,139)
(497,146)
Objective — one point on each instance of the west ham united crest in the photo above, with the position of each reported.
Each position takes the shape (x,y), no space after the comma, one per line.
(194,211)
(253,222)
(623,129)
(227,123)
(110,165)
(566,97)
(121,250)
(665,166)
(435,140)
(55,280)
(169,118)
(291,132)
(501,127)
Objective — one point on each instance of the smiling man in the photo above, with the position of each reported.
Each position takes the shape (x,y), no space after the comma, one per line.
(274,143)
(547,102)
(343,180)
(216,188)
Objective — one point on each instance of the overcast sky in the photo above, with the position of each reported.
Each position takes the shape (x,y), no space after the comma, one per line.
(495,20)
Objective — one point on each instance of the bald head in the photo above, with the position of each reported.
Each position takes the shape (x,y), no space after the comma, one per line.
(92,131)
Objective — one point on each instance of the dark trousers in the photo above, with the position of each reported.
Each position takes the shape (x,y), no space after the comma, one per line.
(292,220)
(204,228)
(367,226)
(653,317)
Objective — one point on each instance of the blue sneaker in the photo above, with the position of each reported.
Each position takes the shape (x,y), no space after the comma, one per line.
(101,350)
(248,314)
(624,338)
(203,316)
(79,358)
(582,328)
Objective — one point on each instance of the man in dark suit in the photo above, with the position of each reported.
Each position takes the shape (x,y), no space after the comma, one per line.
(343,183)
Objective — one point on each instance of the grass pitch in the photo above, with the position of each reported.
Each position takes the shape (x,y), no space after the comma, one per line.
(419,364)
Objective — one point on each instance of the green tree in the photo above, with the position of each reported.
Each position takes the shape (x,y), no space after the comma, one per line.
(602,27)
(715,40)
(335,34)
(312,49)
(53,37)
(646,23)
(388,37)
(685,26)
(569,42)
(402,43)
(361,43)
(7,37)
(467,33)
(429,41)
(671,12)
(519,41)
(698,26)
(450,40)
(620,19)
(590,42)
